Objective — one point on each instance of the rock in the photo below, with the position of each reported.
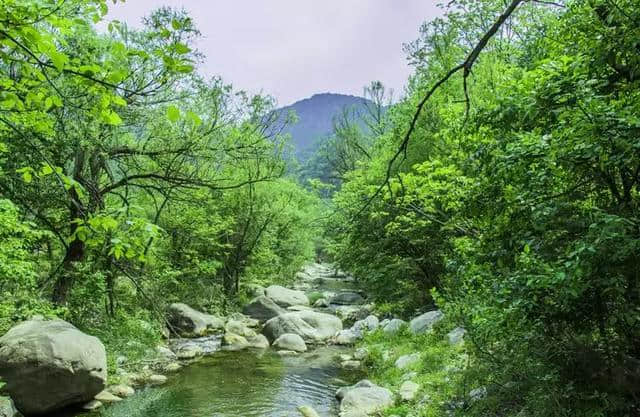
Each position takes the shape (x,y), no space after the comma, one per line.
(38,355)
(259,341)
(409,376)
(155,380)
(166,353)
(8,408)
(346,337)
(347,298)
(287,353)
(290,341)
(107,397)
(186,322)
(234,342)
(365,383)
(312,326)
(344,357)
(370,323)
(350,364)
(307,411)
(92,405)
(321,303)
(456,336)
(359,401)
(246,320)
(408,390)
(189,352)
(263,308)
(405,361)
(361,354)
(239,328)
(172,367)
(353,313)
(255,290)
(425,322)
(393,326)
(299,308)
(285,297)
(121,390)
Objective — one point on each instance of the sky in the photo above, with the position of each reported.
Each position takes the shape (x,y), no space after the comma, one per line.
(292,49)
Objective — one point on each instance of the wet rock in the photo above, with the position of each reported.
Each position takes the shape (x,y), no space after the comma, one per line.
(307,411)
(234,342)
(107,397)
(92,405)
(350,364)
(121,390)
(263,308)
(189,352)
(312,326)
(285,297)
(245,320)
(8,408)
(408,391)
(172,367)
(37,355)
(456,336)
(347,298)
(364,400)
(393,326)
(425,322)
(406,361)
(186,322)
(201,346)
(258,341)
(290,341)
(156,380)
(239,328)
(287,353)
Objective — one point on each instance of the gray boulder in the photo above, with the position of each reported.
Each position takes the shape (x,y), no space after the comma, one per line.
(239,328)
(408,390)
(263,308)
(186,322)
(347,337)
(364,399)
(456,336)
(234,342)
(307,411)
(290,341)
(312,326)
(285,297)
(405,361)
(393,326)
(425,322)
(347,298)
(48,365)
(258,341)
(370,323)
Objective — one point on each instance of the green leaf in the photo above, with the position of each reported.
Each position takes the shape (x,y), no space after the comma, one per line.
(173,113)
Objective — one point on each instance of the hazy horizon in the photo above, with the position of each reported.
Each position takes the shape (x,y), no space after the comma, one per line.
(294,49)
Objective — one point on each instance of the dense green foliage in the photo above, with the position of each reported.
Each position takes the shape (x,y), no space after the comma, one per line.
(128,181)
(523,214)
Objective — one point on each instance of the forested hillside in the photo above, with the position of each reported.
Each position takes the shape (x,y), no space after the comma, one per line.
(497,200)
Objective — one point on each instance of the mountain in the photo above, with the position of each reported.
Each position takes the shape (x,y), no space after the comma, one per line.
(315,119)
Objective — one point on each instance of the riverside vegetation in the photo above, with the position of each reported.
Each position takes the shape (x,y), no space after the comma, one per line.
(490,216)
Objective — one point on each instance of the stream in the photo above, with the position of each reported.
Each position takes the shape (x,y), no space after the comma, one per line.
(250,383)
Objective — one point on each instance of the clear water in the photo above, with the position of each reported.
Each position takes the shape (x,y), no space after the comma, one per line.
(243,384)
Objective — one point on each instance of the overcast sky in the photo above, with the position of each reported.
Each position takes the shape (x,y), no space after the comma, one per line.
(293,49)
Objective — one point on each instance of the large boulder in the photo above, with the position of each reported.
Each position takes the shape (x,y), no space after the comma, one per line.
(364,399)
(285,297)
(312,326)
(263,308)
(393,326)
(347,298)
(48,365)
(186,322)
(425,322)
(289,341)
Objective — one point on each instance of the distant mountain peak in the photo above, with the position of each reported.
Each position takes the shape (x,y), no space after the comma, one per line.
(315,119)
